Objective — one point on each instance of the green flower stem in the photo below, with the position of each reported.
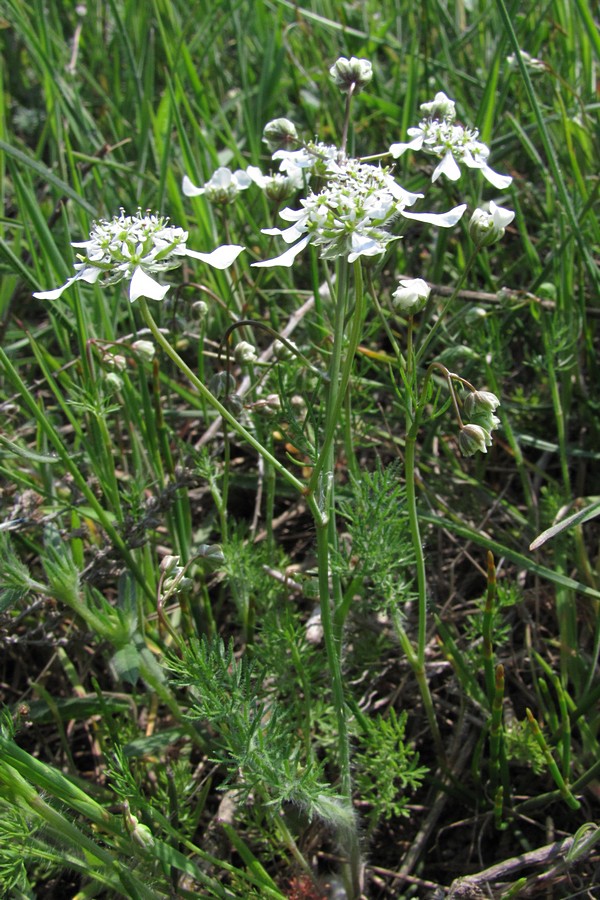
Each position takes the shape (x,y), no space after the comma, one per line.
(416,657)
(206,395)
(338,382)
(322,482)
(422,683)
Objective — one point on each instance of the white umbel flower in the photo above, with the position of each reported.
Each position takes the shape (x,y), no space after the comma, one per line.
(439,135)
(351,215)
(136,249)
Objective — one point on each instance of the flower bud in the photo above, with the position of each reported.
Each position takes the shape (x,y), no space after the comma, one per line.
(473,438)
(114,361)
(222,384)
(142,835)
(280,134)
(244,353)
(441,107)
(486,227)
(351,73)
(114,381)
(283,351)
(411,295)
(200,310)
(480,402)
(144,349)
(168,564)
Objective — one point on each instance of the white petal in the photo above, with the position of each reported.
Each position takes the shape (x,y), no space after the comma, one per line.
(189,188)
(445,220)
(89,274)
(501,217)
(398,149)
(362,245)
(499,181)
(292,234)
(406,197)
(287,258)
(221,178)
(448,167)
(221,258)
(256,176)
(55,294)
(243,179)
(292,215)
(144,286)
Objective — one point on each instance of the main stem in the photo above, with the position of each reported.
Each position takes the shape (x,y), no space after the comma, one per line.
(322,482)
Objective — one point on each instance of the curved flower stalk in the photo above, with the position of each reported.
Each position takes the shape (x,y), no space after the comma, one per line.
(222,187)
(135,249)
(437,133)
(350,217)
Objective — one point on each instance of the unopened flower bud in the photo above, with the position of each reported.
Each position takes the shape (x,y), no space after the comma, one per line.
(282,351)
(221,384)
(480,401)
(168,564)
(200,310)
(280,134)
(487,227)
(145,349)
(115,361)
(411,295)
(142,835)
(473,438)
(114,381)
(244,353)
(441,107)
(351,73)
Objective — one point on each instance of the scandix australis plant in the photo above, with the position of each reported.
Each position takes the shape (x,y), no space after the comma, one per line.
(350,215)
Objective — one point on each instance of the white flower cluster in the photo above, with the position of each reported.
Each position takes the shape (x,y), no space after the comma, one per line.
(136,248)
(453,144)
(351,215)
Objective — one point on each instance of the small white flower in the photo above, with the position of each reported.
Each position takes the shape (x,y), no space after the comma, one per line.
(315,155)
(487,226)
(277,187)
(222,187)
(351,215)
(411,295)
(439,135)
(535,65)
(441,107)
(244,353)
(136,248)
